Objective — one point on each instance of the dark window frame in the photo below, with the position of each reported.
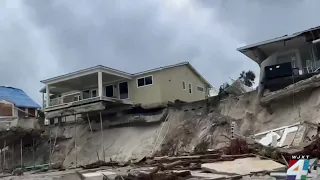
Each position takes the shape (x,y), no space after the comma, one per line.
(145,81)
(113,90)
(202,88)
(91,93)
(184,85)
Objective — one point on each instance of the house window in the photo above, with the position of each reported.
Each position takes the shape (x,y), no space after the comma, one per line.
(32,112)
(201,89)
(77,98)
(183,85)
(22,112)
(190,88)
(86,94)
(145,81)
(94,93)
(109,91)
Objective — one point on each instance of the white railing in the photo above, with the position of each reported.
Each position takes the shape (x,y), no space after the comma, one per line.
(56,101)
(60,100)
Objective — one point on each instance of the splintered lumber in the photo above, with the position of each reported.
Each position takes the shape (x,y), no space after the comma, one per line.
(99,164)
(214,151)
(237,156)
(155,176)
(170,159)
(173,164)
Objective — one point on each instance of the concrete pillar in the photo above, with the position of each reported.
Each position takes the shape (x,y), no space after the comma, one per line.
(47,96)
(100,89)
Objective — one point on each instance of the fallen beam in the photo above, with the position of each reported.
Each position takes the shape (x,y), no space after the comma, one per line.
(195,157)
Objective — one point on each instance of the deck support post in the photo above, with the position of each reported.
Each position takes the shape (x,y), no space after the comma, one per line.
(100,89)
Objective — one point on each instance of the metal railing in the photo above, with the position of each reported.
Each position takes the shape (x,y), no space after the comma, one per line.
(312,66)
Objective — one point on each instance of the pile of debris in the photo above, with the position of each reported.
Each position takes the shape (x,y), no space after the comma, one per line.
(266,154)
(235,161)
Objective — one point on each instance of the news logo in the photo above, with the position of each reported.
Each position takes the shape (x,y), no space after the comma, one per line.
(299,167)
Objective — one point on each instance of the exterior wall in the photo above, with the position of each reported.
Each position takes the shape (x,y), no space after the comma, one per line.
(167,86)
(149,94)
(172,89)
(6,108)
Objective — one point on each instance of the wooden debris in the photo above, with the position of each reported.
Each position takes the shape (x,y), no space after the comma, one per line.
(17,172)
(236,156)
(170,159)
(99,164)
(156,176)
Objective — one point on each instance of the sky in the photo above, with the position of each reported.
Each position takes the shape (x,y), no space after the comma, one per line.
(42,39)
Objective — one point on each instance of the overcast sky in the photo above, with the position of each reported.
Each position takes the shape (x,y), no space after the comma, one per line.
(40,39)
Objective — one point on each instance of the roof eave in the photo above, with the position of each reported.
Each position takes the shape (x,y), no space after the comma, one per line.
(207,82)
(70,74)
(160,68)
(42,90)
(88,70)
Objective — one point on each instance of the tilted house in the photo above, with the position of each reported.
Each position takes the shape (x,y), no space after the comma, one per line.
(110,87)
(287,59)
(15,102)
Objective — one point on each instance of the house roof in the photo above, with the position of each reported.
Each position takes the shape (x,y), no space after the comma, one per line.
(91,69)
(17,96)
(250,47)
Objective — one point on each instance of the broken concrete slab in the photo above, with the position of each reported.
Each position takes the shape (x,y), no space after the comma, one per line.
(243,166)
(200,174)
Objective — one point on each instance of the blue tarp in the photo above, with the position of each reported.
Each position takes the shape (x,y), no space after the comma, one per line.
(17,97)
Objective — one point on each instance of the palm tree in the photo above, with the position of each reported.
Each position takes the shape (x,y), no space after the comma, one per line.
(222,89)
(247,78)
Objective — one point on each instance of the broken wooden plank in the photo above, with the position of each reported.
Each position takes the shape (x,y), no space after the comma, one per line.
(173,164)
(167,158)
(224,156)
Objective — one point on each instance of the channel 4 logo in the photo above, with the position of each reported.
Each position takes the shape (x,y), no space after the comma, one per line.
(299,167)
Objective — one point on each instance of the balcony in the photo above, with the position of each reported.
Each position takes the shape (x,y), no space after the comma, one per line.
(56,101)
